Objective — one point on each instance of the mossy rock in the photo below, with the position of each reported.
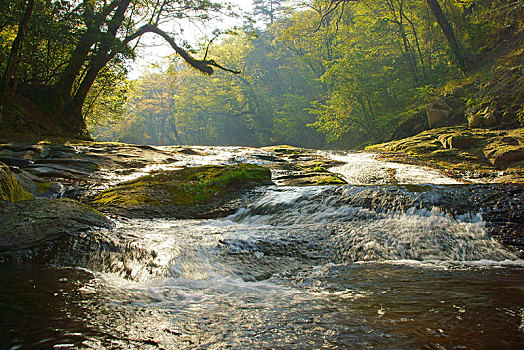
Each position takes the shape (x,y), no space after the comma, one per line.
(192,192)
(311,179)
(506,155)
(10,189)
(329,180)
(286,150)
(462,149)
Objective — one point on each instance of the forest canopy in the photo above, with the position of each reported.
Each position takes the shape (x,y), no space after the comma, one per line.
(315,73)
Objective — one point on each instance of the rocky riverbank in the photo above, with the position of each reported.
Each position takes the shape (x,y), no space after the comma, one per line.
(472,155)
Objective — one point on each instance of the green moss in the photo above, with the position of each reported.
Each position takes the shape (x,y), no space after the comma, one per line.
(313,167)
(188,186)
(285,149)
(10,189)
(44,187)
(330,180)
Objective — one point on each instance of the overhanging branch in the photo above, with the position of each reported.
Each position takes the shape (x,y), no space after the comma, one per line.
(205,65)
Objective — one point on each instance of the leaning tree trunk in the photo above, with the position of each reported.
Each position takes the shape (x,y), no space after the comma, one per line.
(442,21)
(72,114)
(78,58)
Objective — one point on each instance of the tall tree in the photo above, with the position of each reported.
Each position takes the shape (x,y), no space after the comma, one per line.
(108,31)
(123,23)
(454,44)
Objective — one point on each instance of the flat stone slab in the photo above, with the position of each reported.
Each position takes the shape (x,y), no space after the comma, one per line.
(28,224)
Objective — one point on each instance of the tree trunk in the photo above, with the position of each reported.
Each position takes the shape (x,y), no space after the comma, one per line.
(72,114)
(455,46)
(79,56)
(75,64)
(7,83)
(175,131)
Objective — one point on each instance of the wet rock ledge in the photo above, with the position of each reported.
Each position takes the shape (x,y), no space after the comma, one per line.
(192,192)
(28,224)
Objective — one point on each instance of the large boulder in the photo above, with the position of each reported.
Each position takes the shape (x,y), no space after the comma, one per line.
(475,121)
(29,224)
(10,189)
(410,125)
(438,113)
(479,119)
(192,192)
(489,120)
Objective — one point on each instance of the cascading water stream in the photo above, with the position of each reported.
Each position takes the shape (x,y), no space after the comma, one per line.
(373,264)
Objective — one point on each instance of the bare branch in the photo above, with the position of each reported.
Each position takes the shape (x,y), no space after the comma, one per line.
(209,44)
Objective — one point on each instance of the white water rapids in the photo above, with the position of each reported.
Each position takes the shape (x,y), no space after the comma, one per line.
(371,264)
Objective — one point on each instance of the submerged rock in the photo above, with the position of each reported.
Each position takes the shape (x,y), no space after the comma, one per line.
(311,179)
(28,224)
(190,152)
(193,192)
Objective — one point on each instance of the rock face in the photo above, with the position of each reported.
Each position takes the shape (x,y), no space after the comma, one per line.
(463,149)
(506,156)
(489,120)
(193,192)
(437,112)
(457,141)
(10,189)
(28,224)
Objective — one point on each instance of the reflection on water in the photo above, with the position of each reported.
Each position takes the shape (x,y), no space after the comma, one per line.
(349,267)
(364,169)
(41,307)
(357,305)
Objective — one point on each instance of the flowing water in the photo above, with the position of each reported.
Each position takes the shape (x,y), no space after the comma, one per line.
(366,265)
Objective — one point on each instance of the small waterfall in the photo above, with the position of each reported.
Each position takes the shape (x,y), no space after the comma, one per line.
(287,227)
(378,223)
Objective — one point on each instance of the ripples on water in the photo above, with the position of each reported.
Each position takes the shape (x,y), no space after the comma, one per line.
(353,267)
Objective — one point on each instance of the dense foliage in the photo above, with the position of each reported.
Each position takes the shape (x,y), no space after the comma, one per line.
(64,55)
(323,73)
(316,73)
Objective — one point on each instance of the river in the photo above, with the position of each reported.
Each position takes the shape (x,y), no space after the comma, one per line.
(370,264)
